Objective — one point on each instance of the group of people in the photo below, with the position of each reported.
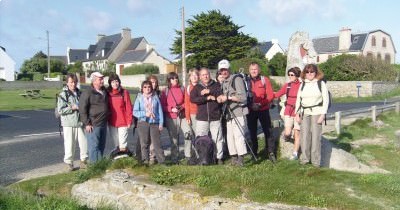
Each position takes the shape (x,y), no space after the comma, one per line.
(225,109)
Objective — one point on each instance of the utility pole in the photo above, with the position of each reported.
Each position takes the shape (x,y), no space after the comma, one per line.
(183,48)
(48,55)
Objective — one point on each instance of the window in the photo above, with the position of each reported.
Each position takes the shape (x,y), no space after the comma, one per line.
(318,59)
(373,41)
(387,58)
(369,55)
(384,42)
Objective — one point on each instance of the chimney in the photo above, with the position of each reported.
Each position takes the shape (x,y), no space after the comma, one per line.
(100,36)
(126,33)
(149,47)
(344,39)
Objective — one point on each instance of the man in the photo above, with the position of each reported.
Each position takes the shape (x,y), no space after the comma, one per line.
(263,95)
(93,109)
(235,111)
(205,95)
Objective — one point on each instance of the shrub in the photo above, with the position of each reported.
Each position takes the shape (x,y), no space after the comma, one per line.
(37,76)
(25,76)
(141,69)
(352,67)
(245,62)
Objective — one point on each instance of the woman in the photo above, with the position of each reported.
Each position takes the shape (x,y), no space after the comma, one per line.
(290,90)
(149,112)
(156,91)
(67,106)
(172,100)
(190,110)
(120,119)
(311,107)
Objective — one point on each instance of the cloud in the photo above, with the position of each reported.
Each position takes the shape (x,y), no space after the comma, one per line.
(287,11)
(98,20)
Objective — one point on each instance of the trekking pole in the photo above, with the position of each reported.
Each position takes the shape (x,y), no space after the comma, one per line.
(242,132)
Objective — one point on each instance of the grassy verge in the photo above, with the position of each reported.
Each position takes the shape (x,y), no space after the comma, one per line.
(381,97)
(11,100)
(285,182)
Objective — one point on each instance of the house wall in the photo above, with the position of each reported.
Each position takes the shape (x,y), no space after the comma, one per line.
(122,45)
(7,66)
(159,61)
(389,49)
(324,57)
(100,65)
(274,49)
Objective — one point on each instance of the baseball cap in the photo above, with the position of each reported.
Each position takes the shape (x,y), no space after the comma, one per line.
(95,74)
(223,64)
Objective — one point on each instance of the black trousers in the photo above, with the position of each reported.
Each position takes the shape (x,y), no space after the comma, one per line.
(265,120)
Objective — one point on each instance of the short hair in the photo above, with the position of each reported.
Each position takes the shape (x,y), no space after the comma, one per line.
(312,67)
(295,70)
(146,82)
(72,76)
(171,75)
(152,76)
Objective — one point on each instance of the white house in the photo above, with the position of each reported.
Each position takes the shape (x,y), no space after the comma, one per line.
(7,66)
(377,44)
(269,49)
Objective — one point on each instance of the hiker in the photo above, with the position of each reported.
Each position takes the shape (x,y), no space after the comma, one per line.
(190,107)
(234,95)
(290,90)
(311,107)
(120,107)
(156,91)
(205,95)
(147,108)
(172,100)
(220,79)
(67,107)
(93,109)
(262,97)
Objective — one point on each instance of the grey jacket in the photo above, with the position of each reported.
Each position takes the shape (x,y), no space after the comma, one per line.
(239,91)
(69,117)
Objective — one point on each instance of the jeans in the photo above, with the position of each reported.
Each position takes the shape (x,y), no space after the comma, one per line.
(96,143)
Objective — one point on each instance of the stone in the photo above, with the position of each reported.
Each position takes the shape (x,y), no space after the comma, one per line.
(300,51)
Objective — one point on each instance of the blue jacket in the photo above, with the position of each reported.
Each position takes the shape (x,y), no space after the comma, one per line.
(139,110)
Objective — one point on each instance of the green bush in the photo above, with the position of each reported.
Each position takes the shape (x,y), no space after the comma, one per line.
(37,76)
(25,76)
(352,67)
(141,69)
(245,63)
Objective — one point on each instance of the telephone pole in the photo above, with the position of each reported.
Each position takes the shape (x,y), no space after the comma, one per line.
(183,48)
(48,55)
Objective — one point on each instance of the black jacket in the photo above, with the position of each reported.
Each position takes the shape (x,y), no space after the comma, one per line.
(93,107)
(206,110)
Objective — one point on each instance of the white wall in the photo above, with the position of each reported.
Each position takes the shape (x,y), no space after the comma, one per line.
(389,49)
(274,49)
(7,66)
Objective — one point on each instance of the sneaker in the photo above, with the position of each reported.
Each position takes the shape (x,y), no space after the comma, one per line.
(294,156)
(272,157)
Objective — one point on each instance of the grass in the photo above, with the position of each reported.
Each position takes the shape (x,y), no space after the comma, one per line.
(11,100)
(381,97)
(285,182)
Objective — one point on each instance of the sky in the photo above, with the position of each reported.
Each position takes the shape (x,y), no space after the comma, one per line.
(76,23)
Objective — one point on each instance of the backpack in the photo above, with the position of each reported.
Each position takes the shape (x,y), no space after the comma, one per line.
(56,113)
(203,151)
(247,85)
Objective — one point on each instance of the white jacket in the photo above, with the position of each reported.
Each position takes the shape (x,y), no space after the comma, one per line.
(311,96)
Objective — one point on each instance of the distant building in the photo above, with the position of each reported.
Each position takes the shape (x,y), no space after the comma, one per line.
(269,49)
(7,66)
(120,49)
(375,44)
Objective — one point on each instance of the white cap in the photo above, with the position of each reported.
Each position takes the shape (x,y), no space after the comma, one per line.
(223,64)
(95,74)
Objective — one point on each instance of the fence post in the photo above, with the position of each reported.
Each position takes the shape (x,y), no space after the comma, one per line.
(373,116)
(397,107)
(338,121)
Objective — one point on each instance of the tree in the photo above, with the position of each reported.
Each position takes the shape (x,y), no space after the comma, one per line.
(277,64)
(212,37)
(40,54)
(75,68)
(38,63)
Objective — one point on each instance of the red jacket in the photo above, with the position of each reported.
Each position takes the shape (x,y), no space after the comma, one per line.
(120,108)
(290,98)
(262,92)
(168,100)
(190,108)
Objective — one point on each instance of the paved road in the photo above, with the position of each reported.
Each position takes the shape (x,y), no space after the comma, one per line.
(30,140)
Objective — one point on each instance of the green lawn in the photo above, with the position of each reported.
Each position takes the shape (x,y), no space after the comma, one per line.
(11,100)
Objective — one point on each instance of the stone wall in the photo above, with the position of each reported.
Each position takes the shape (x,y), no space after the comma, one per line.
(18,85)
(349,88)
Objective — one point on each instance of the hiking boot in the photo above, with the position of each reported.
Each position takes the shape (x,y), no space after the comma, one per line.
(240,161)
(220,162)
(234,160)
(70,167)
(272,157)
(83,164)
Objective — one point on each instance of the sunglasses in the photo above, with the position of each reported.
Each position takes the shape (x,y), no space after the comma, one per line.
(146,87)
(310,72)
(291,75)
